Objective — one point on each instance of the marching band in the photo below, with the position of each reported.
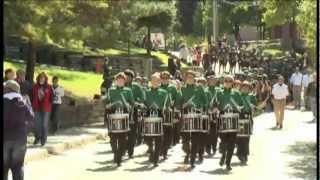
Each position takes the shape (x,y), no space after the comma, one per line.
(200,111)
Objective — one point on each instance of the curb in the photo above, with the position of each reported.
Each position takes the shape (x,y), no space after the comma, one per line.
(56,149)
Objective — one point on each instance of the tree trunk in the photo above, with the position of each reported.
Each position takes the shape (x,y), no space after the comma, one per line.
(31,61)
(128,46)
(149,44)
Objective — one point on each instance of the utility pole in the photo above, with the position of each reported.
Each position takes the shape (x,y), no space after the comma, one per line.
(215,20)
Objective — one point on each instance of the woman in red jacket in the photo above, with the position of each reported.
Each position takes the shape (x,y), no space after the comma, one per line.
(42,96)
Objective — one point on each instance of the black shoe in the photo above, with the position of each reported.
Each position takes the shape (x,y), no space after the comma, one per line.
(200,159)
(155,164)
(221,161)
(43,143)
(186,160)
(118,164)
(229,168)
(192,166)
(36,141)
(280,126)
(164,157)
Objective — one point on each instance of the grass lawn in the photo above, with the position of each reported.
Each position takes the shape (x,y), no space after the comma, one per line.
(80,84)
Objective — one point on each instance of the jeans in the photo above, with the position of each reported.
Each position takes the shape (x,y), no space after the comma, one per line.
(41,126)
(55,118)
(13,159)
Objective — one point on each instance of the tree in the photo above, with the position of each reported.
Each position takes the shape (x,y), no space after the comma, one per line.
(282,12)
(307,21)
(60,22)
(185,13)
(153,15)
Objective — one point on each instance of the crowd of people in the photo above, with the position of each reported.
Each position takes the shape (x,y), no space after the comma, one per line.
(28,107)
(171,99)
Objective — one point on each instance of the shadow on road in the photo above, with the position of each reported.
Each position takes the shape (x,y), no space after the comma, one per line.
(104,168)
(305,166)
(219,171)
(104,162)
(148,167)
(274,129)
(184,168)
(104,152)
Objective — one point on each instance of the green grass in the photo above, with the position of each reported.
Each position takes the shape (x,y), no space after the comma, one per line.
(273,52)
(79,84)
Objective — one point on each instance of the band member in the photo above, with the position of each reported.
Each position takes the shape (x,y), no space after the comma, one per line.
(213,105)
(193,98)
(249,104)
(173,97)
(202,83)
(229,100)
(139,97)
(157,100)
(140,112)
(119,97)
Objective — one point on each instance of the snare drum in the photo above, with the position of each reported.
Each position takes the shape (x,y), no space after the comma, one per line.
(213,117)
(152,126)
(118,123)
(205,123)
(228,122)
(167,120)
(176,116)
(245,125)
(192,122)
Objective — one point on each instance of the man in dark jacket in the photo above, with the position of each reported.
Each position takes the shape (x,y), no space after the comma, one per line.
(17,115)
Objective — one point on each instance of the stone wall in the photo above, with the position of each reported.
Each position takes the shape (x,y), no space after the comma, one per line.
(76,113)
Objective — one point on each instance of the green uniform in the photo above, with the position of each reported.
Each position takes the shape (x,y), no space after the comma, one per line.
(249,100)
(229,97)
(194,97)
(173,93)
(213,91)
(157,98)
(119,97)
(138,92)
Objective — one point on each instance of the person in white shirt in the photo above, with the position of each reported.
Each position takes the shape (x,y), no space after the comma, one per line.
(184,53)
(279,93)
(58,93)
(296,84)
(306,79)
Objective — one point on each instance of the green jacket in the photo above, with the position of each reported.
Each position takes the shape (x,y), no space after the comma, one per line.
(138,92)
(213,99)
(157,98)
(174,95)
(229,97)
(119,97)
(194,96)
(249,101)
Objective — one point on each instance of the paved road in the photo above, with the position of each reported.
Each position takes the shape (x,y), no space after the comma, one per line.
(286,154)
(215,68)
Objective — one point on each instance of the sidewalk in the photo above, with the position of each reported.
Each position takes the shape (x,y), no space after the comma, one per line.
(64,140)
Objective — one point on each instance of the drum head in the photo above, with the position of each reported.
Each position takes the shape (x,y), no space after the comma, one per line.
(118,116)
(193,115)
(152,119)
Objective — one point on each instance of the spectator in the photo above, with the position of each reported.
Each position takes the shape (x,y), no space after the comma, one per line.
(305,84)
(25,86)
(8,75)
(296,82)
(58,93)
(280,93)
(17,115)
(42,96)
(183,53)
(311,95)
